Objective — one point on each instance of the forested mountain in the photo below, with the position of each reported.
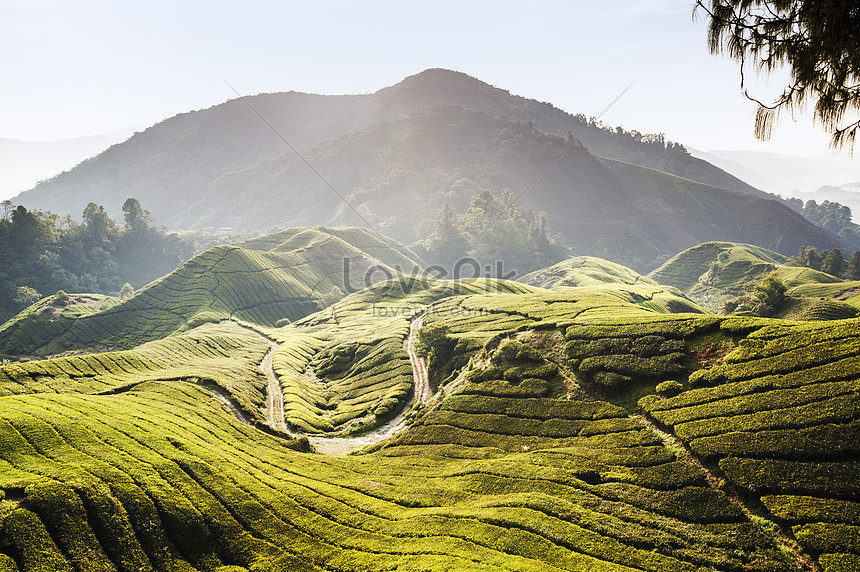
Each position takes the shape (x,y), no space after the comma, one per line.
(398,155)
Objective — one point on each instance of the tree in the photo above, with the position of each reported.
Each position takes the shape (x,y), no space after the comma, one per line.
(97,221)
(807,256)
(135,217)
(447,243)
(24,232)
(7,207)
(833,263)
(762,298)
(435,343)
(816,40)
(26,295)
(126,292)
(852,271)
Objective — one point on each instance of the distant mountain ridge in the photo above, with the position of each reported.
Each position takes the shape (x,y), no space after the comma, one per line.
(439,136)
(24,164)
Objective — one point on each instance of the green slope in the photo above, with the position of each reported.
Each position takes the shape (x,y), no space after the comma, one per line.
(713,271)
(583,271)
(608,427)
(284,276)
(401,171)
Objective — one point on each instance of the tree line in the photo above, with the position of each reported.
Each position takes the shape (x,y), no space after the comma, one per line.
(829,261)
(44,252)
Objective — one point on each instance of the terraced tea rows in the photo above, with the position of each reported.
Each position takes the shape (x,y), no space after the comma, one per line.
(156,479)
(345,369)
(275,279)
(224,356)
(531,455)
(584,271)
(587,473)
(780,417)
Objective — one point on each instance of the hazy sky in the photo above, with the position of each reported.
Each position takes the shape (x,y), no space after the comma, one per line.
(88,67)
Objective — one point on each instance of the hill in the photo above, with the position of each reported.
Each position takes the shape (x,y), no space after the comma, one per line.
(401,152)
(713,271)
(590,428)
(583,271)
(410,165)
(171,165)
(279,277)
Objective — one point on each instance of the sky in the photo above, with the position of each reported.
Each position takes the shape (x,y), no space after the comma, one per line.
(72,69)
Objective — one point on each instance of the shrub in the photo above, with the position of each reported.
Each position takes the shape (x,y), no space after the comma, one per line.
(528,353)
(669,388)
(60,299)
(126,292)
(611,379)
(507,352)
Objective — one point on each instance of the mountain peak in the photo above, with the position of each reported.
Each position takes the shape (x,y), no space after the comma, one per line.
(436,82)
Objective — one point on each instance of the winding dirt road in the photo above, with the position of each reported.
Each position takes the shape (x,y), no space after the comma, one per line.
(343,445)
(420,394)
(274,394)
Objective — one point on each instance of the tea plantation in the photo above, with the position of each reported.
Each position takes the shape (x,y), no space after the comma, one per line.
(608,424)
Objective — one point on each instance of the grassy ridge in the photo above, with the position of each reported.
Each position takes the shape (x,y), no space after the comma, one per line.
(280,277)
(223,355)
(713,271)
(584,271)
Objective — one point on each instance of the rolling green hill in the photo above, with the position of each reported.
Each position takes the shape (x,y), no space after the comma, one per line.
(279,277)
(613,426)
(713,271)
(583,271)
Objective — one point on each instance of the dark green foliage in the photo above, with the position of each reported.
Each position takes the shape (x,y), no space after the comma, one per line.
(761,298)
(818,46)
(840,562)
(833,263)
(807,256)
(669,388)
(96,256)
(852,272)
(38,552)
(435,343)
(518,236)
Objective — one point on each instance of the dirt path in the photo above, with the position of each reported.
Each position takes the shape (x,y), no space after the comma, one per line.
(344,445)
(274,394)
(222,398)
(420,394)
